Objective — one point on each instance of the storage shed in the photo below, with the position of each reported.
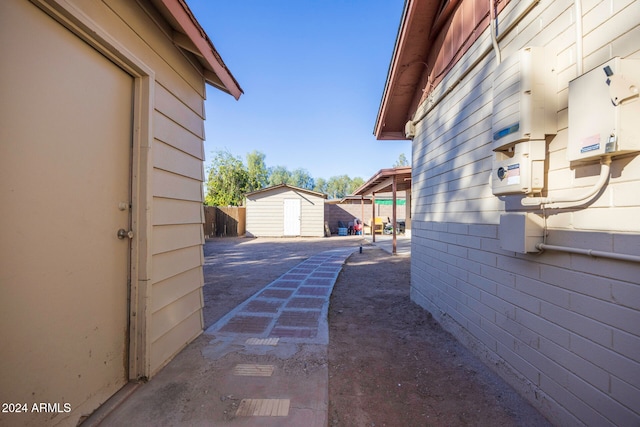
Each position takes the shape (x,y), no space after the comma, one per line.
(101,151)
(285,211)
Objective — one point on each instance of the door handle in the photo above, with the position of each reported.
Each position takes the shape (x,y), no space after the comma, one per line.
(122,233)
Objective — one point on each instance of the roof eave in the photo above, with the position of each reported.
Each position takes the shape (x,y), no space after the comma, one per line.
(375,183)
(191,36)
(406,69)
(291,187)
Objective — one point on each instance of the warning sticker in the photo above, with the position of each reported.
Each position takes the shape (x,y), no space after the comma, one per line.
(591,143)
(513,174)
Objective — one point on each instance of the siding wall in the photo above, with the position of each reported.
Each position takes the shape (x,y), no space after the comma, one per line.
(265,213)
(175,180)
(562,328)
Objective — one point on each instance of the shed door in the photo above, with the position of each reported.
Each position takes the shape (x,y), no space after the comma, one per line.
(291,217)
(65,160)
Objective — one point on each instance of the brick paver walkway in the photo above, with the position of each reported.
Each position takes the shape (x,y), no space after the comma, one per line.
(292,308)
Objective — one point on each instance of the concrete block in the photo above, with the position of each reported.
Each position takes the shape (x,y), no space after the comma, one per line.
(457,228)
(626,394)
(519,299)
(543,291)
(521,333)
(483,230)
(627,243)
(589,372)
(627,345)
(468,241)
(573,405)
(587,284)
(577,323)
(614,412)
(615,315)
(483,257)
(617,365)
(544,328)
(483,283)
(521,266)
(497,275)
(518,363)
(498,304)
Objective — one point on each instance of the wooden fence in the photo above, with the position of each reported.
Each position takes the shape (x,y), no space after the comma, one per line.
(225,222)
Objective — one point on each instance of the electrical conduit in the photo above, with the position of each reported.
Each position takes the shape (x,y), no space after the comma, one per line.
(578,200)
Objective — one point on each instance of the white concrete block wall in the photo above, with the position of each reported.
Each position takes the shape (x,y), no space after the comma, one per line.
(564,329)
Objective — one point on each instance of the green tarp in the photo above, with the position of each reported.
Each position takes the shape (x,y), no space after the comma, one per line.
(390,202)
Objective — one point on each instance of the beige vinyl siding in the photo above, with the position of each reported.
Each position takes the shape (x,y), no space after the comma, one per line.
(312,211)
(176,179)
(265,213)
(561,328)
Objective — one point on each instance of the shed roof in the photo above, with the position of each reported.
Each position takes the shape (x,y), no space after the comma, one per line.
(189,35)
(291,187)
(382,181)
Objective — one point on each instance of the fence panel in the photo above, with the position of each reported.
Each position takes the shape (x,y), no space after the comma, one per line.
(225,221)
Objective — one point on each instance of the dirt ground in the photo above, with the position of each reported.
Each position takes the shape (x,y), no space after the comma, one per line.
(390,363)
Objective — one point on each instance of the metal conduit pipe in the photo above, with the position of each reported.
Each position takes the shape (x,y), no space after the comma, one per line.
(590,252)
(494,31)
(579,36)
(475,63)
(566,202)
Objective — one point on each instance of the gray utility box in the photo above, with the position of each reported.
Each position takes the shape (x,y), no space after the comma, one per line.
(521,232)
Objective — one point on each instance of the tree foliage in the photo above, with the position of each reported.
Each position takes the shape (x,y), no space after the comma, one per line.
(320,185)
(279,175)
(401,162)
(257,172)
(302,179)
(338,186)
(229,179)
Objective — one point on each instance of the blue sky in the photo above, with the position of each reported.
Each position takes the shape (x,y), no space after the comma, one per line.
(313,73)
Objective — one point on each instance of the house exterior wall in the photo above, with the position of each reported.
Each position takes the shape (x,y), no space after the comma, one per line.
(167,173)
(175,177)
(561,328)
(265,213)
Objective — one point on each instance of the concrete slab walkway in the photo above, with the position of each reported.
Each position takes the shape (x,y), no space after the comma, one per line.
(385,242)
(269,353)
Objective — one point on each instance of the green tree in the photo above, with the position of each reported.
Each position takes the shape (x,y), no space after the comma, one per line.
(301,178)
(320,185)
(356,183)
(338,186)
(227,181)
(279,175)
(401,162)
(257,172)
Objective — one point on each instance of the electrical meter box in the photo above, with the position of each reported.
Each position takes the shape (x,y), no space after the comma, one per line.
(524,112)
(524,99)
(604,111)
(520,171)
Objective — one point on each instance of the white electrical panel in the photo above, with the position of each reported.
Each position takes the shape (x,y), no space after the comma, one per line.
(524,99)
(604,111)
(521,232)
(520,171)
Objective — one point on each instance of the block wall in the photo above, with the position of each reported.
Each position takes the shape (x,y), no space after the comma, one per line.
(562,328)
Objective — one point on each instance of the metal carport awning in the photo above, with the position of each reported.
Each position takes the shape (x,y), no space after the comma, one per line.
(386,181)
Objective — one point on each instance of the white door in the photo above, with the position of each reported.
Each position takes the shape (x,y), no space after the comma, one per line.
(291,217)
(65,160)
